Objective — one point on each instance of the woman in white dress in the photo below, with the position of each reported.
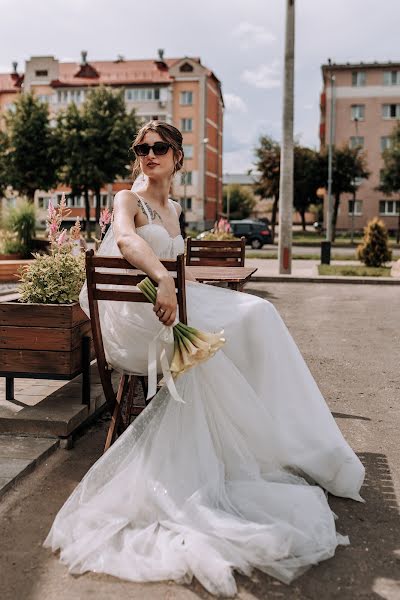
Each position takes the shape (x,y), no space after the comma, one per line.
(231,479)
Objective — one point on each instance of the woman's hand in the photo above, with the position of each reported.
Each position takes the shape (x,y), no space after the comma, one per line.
(166,303)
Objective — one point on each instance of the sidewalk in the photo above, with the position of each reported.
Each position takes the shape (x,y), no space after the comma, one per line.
(306,271)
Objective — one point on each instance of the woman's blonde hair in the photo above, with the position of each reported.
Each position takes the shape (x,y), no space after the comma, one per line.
(168,133)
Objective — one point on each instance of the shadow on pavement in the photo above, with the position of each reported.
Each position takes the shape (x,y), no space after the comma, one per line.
(337,415)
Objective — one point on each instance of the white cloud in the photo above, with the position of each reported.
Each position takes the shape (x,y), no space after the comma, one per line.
(251,35)
(263,76)
(234,103)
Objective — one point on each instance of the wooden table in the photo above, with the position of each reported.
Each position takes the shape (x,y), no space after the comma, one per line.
(235,277)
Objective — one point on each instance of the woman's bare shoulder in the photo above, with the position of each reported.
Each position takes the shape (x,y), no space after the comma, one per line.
(126,199)
(177,207)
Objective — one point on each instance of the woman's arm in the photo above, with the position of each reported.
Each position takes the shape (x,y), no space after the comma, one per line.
(140,254)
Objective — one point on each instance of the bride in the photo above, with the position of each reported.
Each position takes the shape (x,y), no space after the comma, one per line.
(233,478)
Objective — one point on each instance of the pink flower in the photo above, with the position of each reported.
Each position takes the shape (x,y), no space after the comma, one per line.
(62,238)
(105,219)
(51,211)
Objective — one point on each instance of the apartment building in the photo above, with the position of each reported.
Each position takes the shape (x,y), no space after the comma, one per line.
(366,108)
(180,91)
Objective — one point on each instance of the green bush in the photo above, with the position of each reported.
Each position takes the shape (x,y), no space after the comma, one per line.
(22,221)
(374,249)
(53,279)
(12,246)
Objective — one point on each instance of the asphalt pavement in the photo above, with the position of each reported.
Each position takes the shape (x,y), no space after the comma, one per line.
(350,339)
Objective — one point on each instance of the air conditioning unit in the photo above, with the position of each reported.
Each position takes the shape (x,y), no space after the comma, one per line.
(162,104)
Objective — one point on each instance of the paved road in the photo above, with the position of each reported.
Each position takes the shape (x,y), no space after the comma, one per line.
(307,250)
(350,339)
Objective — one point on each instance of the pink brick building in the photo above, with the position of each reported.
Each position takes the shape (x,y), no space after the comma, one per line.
(366,109)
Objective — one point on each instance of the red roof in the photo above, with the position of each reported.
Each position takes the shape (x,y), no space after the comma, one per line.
(10,83)
(117,73)
(107,72)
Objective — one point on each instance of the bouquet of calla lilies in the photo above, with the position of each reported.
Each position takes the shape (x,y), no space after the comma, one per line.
(191,346)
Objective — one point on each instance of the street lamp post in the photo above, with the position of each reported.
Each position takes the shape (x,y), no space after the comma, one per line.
(329,224)
(287,160)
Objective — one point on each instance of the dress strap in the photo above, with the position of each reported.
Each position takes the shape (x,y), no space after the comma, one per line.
(144,206)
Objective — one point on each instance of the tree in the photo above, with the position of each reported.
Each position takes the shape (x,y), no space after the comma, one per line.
(348,165)
(241,201)
(268,157)
(31,156)
(308,177)
(4,149)
(374,249)
(109,131)
(76,164)
(390,174)
(94,142)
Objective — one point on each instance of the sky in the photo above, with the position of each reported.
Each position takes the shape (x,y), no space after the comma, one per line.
(241,41)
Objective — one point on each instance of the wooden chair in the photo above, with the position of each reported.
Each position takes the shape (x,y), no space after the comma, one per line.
(215,253)
(125,396)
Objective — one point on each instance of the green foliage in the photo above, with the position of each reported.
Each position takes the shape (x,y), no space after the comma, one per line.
(241,201)
(4,149)
(9,244)
(310,173)
(22,221)
(348,165)
(390,174)
(53,279)
(93,143)
(219,235)
(268,158)
(374,249)
(354,271)
(30,159)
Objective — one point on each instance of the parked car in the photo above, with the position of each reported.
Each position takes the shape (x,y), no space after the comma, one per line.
(257,233)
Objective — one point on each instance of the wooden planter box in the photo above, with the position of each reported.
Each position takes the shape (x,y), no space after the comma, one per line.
(49,341)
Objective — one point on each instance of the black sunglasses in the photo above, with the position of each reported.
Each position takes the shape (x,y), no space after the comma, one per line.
(159,149)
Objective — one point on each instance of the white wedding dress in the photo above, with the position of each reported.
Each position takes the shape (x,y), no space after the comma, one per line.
(231,479)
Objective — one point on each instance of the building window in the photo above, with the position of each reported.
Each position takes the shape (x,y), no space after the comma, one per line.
(391,78)
(187,202)
(43,202)
(43,98)
(356,141)
(75,201)
(11,202)
(358,78)
(66,96)
(188,150)
(356,205)
(142,94)
(187,125)
(186,177)
(357,112)
(386,142)
(389,207)
(41,73)
(186,68)
(391,111)
(186,98)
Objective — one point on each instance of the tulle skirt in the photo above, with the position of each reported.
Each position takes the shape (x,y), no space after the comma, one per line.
(233,479)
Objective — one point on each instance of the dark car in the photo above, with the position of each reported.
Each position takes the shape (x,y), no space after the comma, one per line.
(257,233)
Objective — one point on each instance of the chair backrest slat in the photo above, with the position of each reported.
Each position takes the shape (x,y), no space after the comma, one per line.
(117,278)
(118,296)
(215,252)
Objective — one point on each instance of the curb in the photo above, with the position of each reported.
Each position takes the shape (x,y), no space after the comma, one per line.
(324,279)
(24,464)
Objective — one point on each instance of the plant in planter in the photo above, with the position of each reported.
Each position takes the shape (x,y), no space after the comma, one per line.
(46,334)
(21,221)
